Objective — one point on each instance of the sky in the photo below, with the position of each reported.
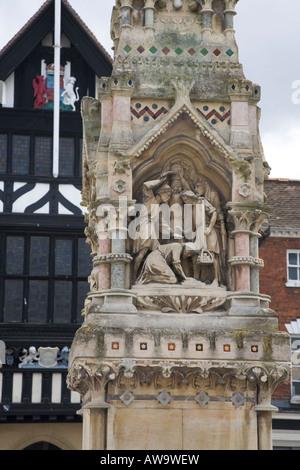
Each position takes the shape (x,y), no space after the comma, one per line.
(268,37)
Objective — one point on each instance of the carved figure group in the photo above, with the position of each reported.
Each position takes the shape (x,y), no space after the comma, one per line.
(182,234)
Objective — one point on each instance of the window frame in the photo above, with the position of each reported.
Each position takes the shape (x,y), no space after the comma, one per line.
(295,360)
(291,282)
(32,172)
(52,278)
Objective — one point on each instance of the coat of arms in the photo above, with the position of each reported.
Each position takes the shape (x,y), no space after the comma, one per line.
(48,357)
(43,86)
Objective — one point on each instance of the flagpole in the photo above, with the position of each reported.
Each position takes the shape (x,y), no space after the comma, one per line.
(56,112)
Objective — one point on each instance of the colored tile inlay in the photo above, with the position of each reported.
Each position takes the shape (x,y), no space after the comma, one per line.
(171,347)
(153,50)
(191,51)
(115,346)
(147,113)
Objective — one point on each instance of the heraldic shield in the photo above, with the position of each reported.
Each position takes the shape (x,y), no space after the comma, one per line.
(48,357)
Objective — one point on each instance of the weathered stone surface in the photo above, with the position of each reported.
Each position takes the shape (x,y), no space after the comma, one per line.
(175,330)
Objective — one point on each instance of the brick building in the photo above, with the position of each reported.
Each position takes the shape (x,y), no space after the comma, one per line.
(280,278)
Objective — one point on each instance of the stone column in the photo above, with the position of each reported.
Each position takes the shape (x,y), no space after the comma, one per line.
(242,252)
(207,13)
(247,219)
(229,14)
(126,7)
(149,13)
(254,252)
(104,248)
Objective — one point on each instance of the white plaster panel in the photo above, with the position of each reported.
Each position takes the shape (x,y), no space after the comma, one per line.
(72,194)
(56,388)
(75,397)
(36,393)
(17,388)
(21,204)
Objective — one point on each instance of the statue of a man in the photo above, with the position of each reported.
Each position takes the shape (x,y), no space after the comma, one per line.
(155,193)
(206,243)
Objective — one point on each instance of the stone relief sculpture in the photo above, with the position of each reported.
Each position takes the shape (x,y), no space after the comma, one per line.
(182,235)
(154,194)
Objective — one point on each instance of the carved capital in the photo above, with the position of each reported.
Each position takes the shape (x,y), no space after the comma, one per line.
(247,218)
(84,376)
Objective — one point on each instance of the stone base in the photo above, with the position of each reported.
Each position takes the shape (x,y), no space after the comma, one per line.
(155,380)
(147,418)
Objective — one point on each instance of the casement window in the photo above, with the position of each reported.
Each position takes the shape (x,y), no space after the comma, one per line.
(293,268)
(43,277)
(31,155)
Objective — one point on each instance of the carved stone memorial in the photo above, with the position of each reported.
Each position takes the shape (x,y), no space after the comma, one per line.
(178,348)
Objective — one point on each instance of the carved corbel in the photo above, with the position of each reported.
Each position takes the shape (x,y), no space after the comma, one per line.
(267,380)
(84,377)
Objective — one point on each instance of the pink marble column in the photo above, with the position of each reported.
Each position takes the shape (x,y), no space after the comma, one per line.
(242,249)
(104,268)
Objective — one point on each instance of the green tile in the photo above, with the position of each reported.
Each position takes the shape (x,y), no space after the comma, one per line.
(153,50)
(127,48)
(178,51)
(204,51)
(229,52)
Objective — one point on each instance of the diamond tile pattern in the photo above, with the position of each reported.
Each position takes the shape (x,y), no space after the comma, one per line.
(127,398)
(202,398)
(164,398)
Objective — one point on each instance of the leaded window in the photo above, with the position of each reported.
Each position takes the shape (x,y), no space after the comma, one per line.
(43,277)
(32,155)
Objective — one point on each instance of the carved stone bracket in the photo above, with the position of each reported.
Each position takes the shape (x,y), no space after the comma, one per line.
(85,376)
(177,373)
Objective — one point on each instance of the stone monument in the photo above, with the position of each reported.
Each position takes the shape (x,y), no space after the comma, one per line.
(178,348)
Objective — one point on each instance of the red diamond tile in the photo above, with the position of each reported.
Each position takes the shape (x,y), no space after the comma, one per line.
(191,51)
(166,50)
(140,49)
(217,52)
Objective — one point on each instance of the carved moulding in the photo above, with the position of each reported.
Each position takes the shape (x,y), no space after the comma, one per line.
(201,299)
(180,303)
(86,375)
